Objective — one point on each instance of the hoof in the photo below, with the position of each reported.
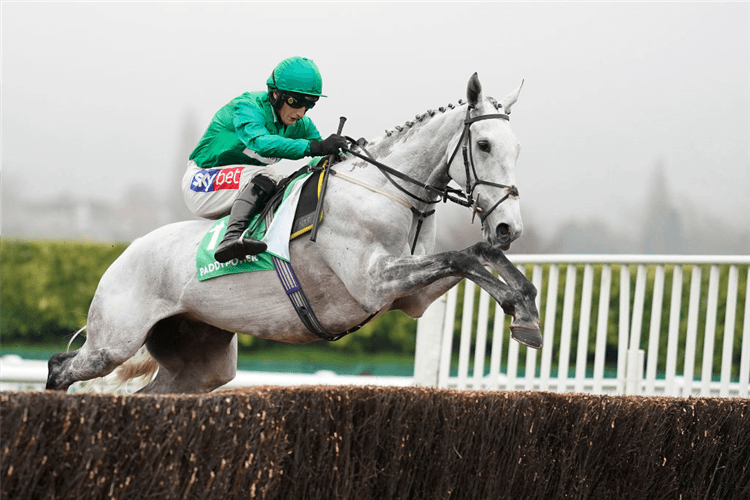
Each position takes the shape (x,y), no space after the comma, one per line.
(528,336)
(56,366)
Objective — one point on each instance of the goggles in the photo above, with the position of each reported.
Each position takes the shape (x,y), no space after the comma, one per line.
(299,100)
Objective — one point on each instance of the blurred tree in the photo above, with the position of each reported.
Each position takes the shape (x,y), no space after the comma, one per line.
(662,228)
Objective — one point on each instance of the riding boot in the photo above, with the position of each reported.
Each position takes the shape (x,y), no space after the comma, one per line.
(249,202)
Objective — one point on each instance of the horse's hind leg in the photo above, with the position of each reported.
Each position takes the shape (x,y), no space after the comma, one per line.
(65,368)
(114,334)
(193,357)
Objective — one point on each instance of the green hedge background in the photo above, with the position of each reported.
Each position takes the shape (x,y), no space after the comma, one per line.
(46,288)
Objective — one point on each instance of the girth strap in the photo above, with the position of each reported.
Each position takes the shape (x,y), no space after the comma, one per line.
(299,301)
(421,216)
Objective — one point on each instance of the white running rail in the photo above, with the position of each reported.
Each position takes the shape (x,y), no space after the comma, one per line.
(658,358)
(17,374)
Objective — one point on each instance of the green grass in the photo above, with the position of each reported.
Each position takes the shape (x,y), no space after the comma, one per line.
(280,358)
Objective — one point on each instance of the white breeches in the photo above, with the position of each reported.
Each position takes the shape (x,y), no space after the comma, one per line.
(209,192)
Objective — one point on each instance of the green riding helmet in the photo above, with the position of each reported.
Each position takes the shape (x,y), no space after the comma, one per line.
(297,74)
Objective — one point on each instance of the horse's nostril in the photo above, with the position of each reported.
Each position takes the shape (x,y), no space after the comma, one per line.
(503,235)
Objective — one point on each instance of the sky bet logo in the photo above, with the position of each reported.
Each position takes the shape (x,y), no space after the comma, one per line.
(214,179)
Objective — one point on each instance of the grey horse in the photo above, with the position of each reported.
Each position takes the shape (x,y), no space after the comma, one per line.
(369,257)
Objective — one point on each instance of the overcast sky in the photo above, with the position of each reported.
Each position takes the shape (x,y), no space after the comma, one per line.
(99,96)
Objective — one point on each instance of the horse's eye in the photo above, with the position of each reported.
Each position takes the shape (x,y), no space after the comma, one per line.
(484,146)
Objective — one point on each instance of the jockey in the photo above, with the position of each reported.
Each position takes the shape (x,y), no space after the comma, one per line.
(229,170)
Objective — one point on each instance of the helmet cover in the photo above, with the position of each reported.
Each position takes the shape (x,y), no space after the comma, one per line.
(297,74)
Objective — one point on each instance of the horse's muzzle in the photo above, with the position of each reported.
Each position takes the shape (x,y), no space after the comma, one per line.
(505,235)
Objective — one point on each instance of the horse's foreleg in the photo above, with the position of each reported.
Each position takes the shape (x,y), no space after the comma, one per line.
(496,259)
(526,329)
(412,276)
(416,304)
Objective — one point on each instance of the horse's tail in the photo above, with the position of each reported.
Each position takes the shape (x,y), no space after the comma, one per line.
(140,365)
(74,337)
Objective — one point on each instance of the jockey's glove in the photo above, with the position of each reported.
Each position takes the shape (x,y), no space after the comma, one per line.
(329,146)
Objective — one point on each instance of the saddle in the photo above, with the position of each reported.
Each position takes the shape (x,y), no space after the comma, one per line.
(304,213)
(308,200)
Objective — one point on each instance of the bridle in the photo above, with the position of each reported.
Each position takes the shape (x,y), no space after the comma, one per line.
(461,197)
(468,157)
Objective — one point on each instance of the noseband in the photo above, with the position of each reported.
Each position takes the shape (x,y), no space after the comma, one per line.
(464,143)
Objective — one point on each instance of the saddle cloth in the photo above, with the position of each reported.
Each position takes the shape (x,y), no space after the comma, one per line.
(289,216)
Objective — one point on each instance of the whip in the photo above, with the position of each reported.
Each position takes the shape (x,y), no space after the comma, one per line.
(324,186)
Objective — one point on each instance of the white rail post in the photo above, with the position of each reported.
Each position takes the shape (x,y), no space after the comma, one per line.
(481,343)
(496,353)
(429,343)
(710,332)
(634,360)
(623,330)
(692,330)
(464,346)
(531,354)
(601,327)
(567,327)
(513,348)
(583,327)
(634,371)
(447,341)
(729,322)
(674,331)
(654,330)
(549,327)
(745,346)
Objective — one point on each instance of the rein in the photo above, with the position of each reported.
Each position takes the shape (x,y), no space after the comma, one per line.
(421,216)
(445,194)
(462,197)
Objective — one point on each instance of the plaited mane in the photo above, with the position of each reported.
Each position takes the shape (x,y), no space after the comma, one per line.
(424,117)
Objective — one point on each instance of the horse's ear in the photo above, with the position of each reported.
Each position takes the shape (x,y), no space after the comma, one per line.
(510,99)
(474,90)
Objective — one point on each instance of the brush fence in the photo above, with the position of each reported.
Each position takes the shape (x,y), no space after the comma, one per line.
(372,443)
